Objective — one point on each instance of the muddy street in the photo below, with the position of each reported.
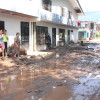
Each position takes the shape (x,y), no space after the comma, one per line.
(64,73)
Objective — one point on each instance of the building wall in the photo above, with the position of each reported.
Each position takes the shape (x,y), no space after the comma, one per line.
(86,34)
(12,25)
(73,35)
(56,16)
(65,4)
(98,27)
(33,7)
(29,7)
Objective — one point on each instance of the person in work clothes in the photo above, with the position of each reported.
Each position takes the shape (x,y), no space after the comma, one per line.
(17,45)
(5,39)
(48,41)
(1,44)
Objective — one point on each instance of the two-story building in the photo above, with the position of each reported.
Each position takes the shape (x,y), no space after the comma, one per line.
(87,30)
(36,18)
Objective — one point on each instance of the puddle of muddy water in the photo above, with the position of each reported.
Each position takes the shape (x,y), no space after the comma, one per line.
(59,93)
(15,83)
(88,87)
(95,47)
(21,96)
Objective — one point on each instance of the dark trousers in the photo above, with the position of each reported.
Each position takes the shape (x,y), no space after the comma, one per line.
(48,45)
(5,50)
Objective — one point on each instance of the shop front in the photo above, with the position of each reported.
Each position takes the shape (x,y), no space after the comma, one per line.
(41,32)
(83,35)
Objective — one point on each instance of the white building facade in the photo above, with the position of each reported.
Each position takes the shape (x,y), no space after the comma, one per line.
(36,18)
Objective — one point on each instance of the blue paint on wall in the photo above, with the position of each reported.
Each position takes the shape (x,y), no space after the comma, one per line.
(85,34)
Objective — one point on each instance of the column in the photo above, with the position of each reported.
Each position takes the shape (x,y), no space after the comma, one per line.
(31,37)
(34,37)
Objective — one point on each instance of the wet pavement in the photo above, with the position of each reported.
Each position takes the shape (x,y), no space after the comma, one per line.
(66,73)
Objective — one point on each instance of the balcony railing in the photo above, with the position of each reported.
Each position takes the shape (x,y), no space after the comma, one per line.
(46,15)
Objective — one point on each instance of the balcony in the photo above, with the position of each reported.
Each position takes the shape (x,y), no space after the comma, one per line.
(27,7)
(52,17)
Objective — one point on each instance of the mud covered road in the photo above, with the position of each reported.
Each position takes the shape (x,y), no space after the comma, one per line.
(65,73)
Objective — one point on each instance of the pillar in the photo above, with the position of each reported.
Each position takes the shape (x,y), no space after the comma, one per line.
(34,37)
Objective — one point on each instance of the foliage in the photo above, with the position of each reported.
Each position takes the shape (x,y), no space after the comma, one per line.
(11,50)
(72,42)
(97,34)
(65,43)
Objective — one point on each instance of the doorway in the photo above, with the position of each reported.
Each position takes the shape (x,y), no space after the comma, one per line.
(61,37)
(53,37)
(68,39)
(1,28)
(25,34)
(2,25)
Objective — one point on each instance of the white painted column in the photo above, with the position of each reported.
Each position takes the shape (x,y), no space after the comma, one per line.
(31,37)
(34,37)
(66,32)
(50,32)
(72,35)
(57,36)
(75,35)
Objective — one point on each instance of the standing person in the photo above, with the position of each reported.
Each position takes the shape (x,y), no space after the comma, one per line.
(17,45)
(5,39)
(48,41)
(1,44)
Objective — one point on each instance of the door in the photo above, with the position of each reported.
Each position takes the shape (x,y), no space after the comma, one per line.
(53,37)
(62,35)
(68,36)
(2,25)
(25,34)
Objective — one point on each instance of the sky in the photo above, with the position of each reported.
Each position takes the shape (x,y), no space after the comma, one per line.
(90,5)
(91,9)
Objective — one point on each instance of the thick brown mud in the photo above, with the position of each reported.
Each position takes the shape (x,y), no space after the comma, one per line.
(65,73)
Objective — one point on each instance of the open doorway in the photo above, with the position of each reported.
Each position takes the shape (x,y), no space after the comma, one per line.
(53,37)
(61,37)
(68,38)
(2,26)
(25,34)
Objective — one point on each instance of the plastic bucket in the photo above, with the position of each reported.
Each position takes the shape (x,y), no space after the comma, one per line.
(81,42)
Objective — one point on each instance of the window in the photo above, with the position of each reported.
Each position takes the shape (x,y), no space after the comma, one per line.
(24,32)
(62,11)
(86,25)
(69,15)
(47,4)
(40,34)
(2,25)
(92,26)
(71,30)
(81,35)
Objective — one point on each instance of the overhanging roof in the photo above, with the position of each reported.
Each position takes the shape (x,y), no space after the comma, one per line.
(15,13)
(77,7)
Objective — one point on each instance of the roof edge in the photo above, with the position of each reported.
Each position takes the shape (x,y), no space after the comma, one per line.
(80,7)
